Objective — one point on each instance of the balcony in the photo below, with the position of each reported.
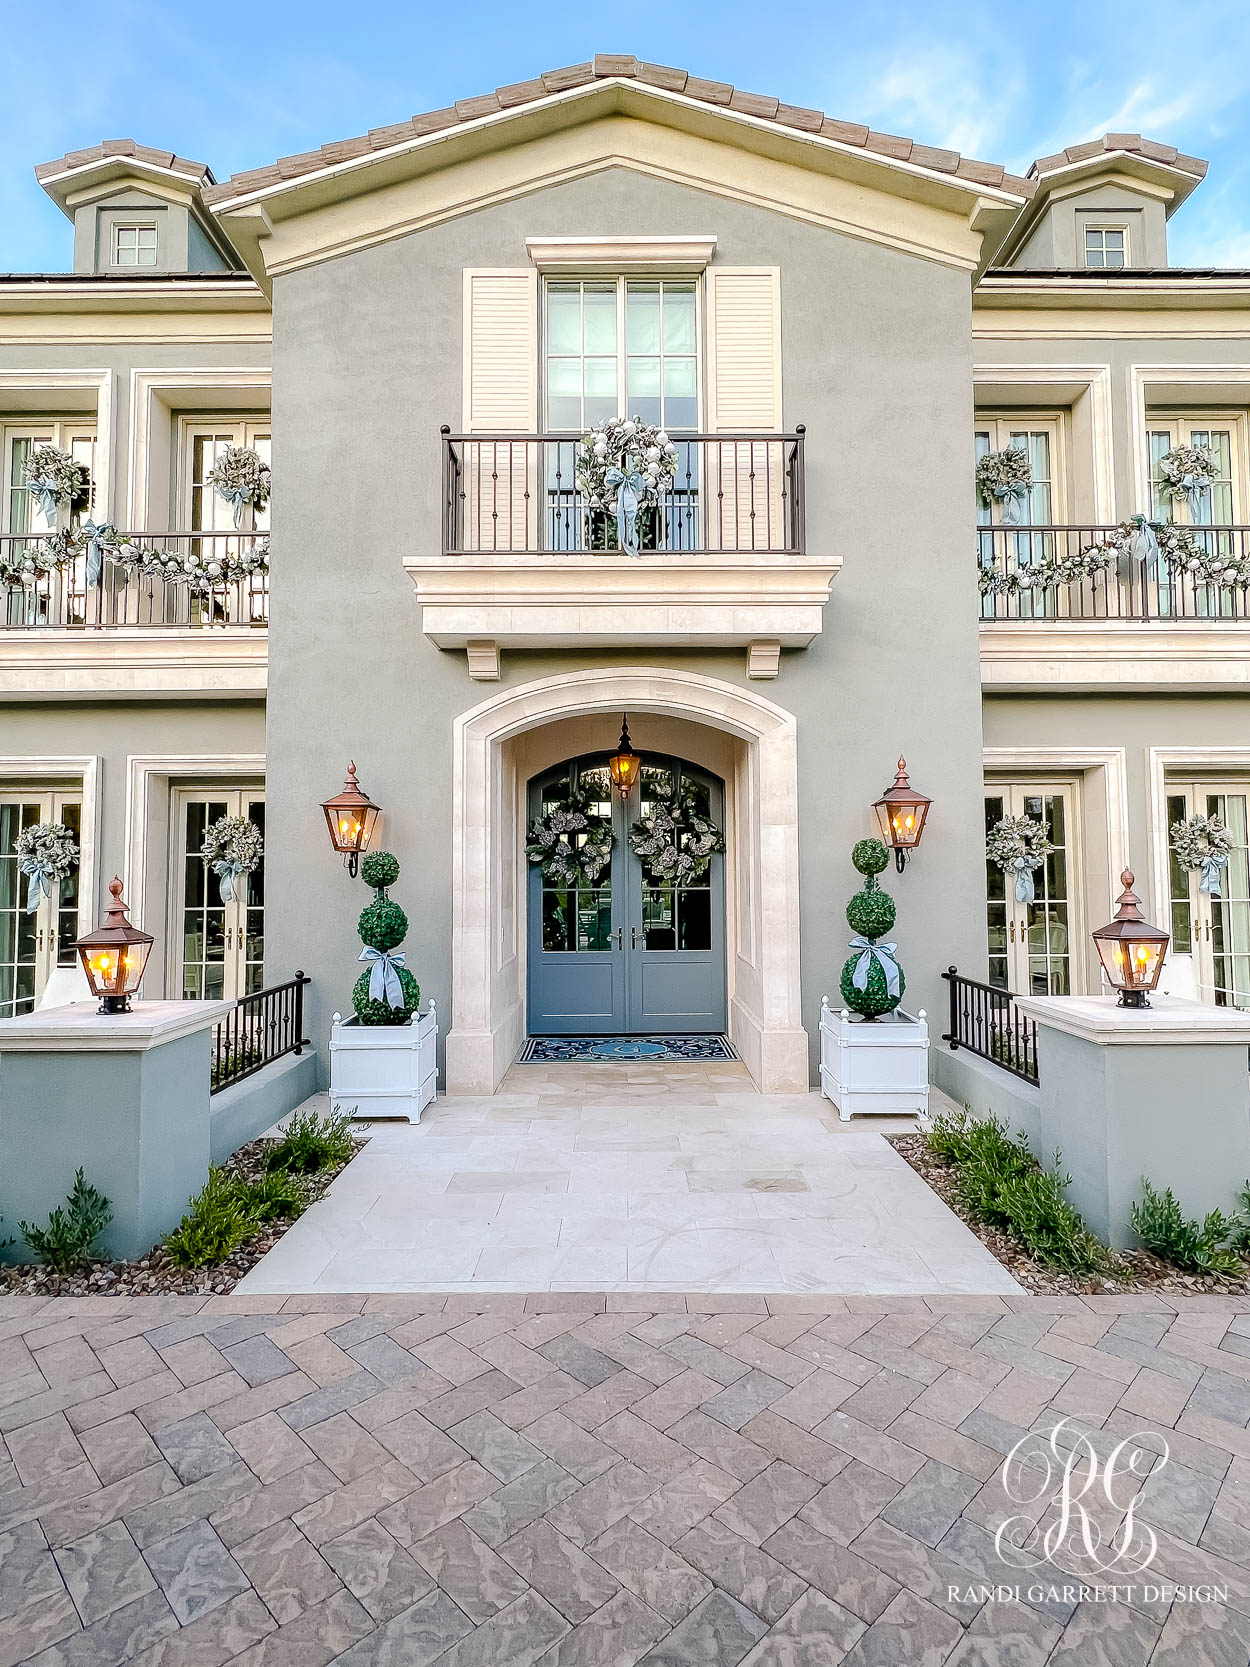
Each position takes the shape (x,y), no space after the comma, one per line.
(170,613)
(527,562)
(1131,623)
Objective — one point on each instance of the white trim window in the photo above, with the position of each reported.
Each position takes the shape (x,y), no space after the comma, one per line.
(219,948)
(616,347)
(1106,246)
(1222,434)
(1034,948)
(20,513)
(1213,931)
(203,444)
(134,244)
(33,944)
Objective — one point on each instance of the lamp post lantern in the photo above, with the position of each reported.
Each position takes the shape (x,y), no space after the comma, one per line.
(1131,949)
(114,955)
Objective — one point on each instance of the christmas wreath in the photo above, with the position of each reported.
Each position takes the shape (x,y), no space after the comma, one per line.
(45,852)
(232,848)
(241,478)
(1005,476)
(1018,845)
(1187,473)
(675,842)
(56,479)
(570,843)
(625,465)
(1202,842)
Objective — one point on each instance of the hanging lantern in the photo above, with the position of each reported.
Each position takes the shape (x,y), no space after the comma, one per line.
(901,813)
(1131,949)
(114,956)
(624,764)
(350,817)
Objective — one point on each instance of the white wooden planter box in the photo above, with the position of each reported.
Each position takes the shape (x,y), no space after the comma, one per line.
(879,1065)
(384,1070)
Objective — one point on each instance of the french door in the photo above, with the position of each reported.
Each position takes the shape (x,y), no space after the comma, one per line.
(1215,931)
(20,512)
(32,944)
(1030,944)
(634,953)
(220,947)
(203,444)
(1040,438)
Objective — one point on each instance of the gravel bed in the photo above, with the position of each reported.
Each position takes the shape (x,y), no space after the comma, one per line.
(155,1273)
(1134,1270)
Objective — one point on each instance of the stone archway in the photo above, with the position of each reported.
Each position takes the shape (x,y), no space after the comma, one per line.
(487,965)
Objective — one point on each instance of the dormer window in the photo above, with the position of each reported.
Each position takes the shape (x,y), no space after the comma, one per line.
(134,245)
(1105,246)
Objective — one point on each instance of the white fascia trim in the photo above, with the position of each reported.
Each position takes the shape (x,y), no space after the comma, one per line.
(148,289)
(1092,288)
(1097,378)
(972,188)
(86,768)
(129,164)
(1165,761)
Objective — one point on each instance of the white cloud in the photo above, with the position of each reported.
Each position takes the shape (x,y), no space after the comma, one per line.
(940,96)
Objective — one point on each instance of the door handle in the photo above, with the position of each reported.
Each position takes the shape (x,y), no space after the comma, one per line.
(633,937)
(1011,930)
(41,937)
(620,937)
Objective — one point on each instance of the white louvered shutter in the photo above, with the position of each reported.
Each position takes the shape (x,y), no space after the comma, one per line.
(747,503)
(499,478)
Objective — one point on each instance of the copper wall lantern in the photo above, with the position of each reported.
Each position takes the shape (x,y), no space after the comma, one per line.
(901,813)
(624,764)
(350,817)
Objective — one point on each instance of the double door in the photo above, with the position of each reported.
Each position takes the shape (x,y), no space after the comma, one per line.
(33,944)
(634,953)
(1031,943)
(1214,931)
(219,947)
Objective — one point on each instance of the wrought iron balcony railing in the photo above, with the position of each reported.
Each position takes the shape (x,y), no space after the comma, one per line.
(1045,574)
(141,580)
(519,494)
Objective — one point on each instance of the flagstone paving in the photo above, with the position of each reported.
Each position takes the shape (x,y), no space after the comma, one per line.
(564,1480)
(675,1176)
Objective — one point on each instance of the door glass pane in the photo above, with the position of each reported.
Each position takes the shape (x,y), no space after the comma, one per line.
(658,918)
(254,910)
(67,895)
(1230,913)
(1178,882)
(996,903)
(1047,917)
(204,914)
(18,929)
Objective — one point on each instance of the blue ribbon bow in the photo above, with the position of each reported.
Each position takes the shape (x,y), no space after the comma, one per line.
(238,497)
(1143,544)
(384,984)
(228,873)
(1195,487)
(883,954)
(40,883)
(49,496)
(1014,498)
(99,538)
(630,487)
(1211,865)
(1025,890)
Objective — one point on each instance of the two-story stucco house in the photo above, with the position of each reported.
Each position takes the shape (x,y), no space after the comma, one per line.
(830,326)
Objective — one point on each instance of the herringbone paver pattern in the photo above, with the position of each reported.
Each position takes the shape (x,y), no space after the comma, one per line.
(594,1481)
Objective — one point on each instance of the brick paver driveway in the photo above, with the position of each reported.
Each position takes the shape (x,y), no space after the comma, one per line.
(586,1480)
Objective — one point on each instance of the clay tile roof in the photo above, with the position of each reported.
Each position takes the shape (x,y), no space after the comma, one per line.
(1131,143)
(199,172)
(623,66)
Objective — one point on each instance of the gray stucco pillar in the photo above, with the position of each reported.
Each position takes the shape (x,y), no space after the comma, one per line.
(1161,1092)
(123,1096)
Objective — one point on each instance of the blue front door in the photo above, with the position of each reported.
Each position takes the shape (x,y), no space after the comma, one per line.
(633,954)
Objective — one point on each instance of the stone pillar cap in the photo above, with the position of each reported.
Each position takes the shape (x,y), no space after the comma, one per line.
(1170,1021)
(80,1028)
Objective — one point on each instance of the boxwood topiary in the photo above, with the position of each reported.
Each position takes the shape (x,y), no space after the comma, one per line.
(870,914)
(383,925)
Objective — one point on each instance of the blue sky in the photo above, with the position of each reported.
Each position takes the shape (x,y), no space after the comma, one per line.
(238,85)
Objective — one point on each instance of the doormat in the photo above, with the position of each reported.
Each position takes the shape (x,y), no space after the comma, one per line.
(550,1050)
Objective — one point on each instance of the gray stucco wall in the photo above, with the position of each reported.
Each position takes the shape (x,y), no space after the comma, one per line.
(368,363)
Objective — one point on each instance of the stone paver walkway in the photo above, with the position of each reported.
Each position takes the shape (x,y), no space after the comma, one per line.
(669,1177)
(565,1481)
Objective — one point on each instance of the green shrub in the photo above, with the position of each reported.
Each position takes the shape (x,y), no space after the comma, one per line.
(379,870)
(370,1012)
(1000,1182)
(217,1222)
(1240,1240)
(278,1192)
(1163,1228)
(382,924)
(310,1142)
(65,1243)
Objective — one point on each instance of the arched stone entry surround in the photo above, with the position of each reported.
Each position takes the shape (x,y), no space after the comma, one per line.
(762,864)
